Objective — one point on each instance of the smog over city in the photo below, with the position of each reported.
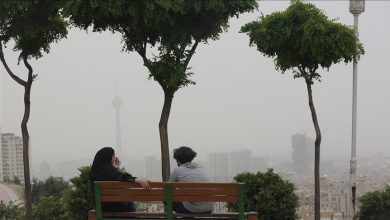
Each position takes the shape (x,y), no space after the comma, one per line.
(240,101)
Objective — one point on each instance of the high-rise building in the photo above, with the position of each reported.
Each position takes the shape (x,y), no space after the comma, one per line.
(12,157)
(218,166)
(259,164)
(1,156)
(240,161)
(302,154)
(44,171)
(152,168)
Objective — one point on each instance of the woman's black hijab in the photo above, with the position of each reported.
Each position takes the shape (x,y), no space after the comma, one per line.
(102,158)
(103,170)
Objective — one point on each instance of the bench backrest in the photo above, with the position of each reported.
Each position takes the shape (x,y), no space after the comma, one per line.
(112,191)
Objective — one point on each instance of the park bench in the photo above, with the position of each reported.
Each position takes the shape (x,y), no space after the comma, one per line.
(112,191)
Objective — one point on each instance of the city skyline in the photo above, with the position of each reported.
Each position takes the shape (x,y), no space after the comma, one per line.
(223,166)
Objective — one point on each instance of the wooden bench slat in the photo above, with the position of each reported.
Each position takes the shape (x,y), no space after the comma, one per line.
(198,192)
(134,192)
(159,214)
(125,198)
(119,185)
(205,185)
(177,192)
(230,215)
(134,214)
(205,198)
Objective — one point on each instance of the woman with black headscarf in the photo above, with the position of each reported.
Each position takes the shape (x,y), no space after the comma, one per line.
(105,167)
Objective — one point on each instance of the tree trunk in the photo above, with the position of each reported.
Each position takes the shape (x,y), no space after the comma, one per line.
(317,204)
(163,127)
(26,140)
(26,160)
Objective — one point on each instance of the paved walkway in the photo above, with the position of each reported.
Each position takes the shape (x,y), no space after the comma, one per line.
(7,195)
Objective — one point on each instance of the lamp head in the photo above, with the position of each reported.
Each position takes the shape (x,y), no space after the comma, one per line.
(356,6)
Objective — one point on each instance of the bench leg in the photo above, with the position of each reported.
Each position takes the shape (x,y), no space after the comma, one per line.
(91,216)
(252,216)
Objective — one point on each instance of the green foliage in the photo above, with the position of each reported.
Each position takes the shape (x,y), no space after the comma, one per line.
(79,199)
(142,206)
(16,180)
(174,26)
(269,195)
(302,39)
(32,24)
(11,211)
(49,208)
(53,187)
(7,179)
(375,205)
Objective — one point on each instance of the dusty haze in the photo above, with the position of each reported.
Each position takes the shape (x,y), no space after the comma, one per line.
(239,102)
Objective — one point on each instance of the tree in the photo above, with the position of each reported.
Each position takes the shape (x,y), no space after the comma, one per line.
(47,198)
(7,179)
(45,206)
(51,187)
(172,29)
(16,180)
(33,25)
(375,205)
(303,39)
(269,195)
(79,199)
(11,211)
(49,208)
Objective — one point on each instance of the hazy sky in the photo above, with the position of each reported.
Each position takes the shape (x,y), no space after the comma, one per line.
(239,102)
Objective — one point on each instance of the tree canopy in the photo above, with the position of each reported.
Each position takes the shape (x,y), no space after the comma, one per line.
(269,195)
(11,211)
(375,205)
(53,186)
(171,25)
(302,39)
(79,199)
(32,24)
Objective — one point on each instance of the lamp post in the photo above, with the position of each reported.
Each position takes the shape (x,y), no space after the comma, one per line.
(356,7)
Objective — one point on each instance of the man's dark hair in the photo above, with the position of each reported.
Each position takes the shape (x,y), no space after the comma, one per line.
(184,154)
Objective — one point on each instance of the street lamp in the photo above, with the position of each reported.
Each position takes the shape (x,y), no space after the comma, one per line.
(356,7)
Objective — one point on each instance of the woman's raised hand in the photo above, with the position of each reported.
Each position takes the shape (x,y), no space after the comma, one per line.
(117,163)
(143,182)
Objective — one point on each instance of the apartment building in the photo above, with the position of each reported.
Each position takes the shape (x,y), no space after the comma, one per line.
(12,157)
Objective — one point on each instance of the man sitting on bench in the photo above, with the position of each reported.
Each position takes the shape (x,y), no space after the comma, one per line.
(187,171)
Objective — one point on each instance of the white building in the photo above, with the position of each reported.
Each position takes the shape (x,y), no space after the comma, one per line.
(152,168)
(259,164)
(240,161)
(12,157)
(44,171)
(218,166)
(1,156)
(302,153)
